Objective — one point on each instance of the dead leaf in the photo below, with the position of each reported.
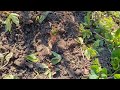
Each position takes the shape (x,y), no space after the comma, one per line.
(85,71)
(9,56)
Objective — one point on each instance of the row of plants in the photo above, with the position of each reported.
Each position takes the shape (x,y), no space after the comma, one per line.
(101,29)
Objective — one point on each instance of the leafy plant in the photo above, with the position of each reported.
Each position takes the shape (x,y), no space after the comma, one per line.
(90,53)
(97,72)
(32,58)
(87,19)
(57,58)
(106,23)
(12,18)
(86,33)
(115,13)
(79,40)
(116,76)
(42,17)
(116,53)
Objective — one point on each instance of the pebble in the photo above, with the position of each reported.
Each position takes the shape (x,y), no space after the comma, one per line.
(62,44)
(19,62)
(30,65)
(78,72)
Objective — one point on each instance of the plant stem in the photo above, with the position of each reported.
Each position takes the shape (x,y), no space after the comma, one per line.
(114,72)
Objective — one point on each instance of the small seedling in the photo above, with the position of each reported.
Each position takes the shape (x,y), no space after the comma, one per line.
(12,18)
(57,58)
(32,58)
(42,17)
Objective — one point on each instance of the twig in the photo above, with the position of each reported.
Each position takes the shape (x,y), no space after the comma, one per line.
(36,74)
(4,65)
(114,72)
(102,38)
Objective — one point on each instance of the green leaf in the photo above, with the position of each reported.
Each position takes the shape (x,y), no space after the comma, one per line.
(43,65)
(115,13)
(87,18)
(14,14)
(32,58)
(93,75)
(108,36)
(80,40)
(56,59)
(117,33)
(104,71)
(116,53)
(9,56)
(81,27)
(8,25)
(117,76)
(43,16)
(115,63)
(86,34)
(15,20)
(96,44)
(50,75)
(8,76)
(103,76)
(106,23)
(96,68)
(90,53)
(96,62)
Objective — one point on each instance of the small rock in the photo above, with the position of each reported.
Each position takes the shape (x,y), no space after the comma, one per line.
(62,44)
(19,62)
(30,65)
(30,21)
(45,51)
(13,69)
(39,47)
(65,72)
(78,72)
(86,71)
(71,42)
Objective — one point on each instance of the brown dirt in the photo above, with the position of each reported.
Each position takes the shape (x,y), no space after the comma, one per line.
(33,37)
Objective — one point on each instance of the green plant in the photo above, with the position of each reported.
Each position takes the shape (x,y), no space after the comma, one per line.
(106,33)
(32,58)
(57,58)
(90,53)
(12,18)
(116,76)
(87,19)
(41,18)
(86,33)
(97,72)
